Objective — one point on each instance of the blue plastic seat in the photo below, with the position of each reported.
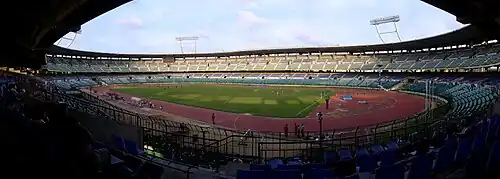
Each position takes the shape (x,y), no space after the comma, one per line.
(451,142)
(392,145)
(252,174)
(444,158)
(288,167)
(479,144)
(463,151)
(319,174)
(264,167)
(330,157)
(395,171)
(98,145)
(314,166)
(118,142)
(288,174)
(361,151)
(387,158)
(294,163)
(420,167)
(131,147)
(344,154)
(493,134)
(355,176)
(275,162)
(367,163)
(377,149)
(494,158)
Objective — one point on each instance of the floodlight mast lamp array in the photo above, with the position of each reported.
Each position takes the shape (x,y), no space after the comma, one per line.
(187,38)
(385,20)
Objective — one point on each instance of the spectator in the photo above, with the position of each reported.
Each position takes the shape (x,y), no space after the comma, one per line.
(72,144)
(302,130)
(286,130)
(296,129)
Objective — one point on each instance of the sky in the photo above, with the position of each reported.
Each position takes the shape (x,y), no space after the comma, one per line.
(151,26)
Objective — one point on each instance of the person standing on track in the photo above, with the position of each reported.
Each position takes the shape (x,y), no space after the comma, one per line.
(302,130)
(161,107)
(213,118)
(327,100)
(286,130)
(296,129)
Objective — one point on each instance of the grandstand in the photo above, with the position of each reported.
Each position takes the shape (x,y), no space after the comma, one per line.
(466,58)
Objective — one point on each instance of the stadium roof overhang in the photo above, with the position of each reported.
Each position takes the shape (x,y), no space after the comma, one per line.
(465,35)
(30,27)
(484,14)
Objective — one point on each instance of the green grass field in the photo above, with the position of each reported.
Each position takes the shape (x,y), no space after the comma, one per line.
(260,101)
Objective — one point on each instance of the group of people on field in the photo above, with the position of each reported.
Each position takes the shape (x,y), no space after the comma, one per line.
(138,103)
(298,129)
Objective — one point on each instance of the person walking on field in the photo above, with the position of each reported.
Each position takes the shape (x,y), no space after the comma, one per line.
(286,130)
(213,118)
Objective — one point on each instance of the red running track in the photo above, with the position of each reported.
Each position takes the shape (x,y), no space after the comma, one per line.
(381,107)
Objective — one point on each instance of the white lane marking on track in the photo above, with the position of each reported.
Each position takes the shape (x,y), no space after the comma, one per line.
(235,120)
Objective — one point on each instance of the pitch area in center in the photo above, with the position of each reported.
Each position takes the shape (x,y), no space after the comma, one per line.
(284,102)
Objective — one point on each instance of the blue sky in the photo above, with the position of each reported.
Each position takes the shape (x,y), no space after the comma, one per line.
(150,26)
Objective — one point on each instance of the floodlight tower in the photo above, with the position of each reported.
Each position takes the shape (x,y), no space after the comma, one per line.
(187,38)
(69,38)
(385,20)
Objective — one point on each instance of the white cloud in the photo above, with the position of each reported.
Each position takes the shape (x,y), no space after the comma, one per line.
(255,24)
(130,21)
(249,19)
(249,4)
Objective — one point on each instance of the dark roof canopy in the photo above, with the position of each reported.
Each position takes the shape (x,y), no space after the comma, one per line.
(467,11)
(30,27)
(484,14)
(465,35)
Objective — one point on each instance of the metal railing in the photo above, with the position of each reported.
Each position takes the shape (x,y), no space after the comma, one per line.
(256,144)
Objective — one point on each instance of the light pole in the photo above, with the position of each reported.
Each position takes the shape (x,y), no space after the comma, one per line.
(379,66)
(320,120)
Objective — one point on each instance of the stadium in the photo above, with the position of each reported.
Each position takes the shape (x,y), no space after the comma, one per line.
(424,108)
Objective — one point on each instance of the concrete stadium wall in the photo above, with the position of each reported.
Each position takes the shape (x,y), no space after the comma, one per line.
(103,129)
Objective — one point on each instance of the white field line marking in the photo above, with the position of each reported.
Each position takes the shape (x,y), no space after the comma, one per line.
(227,101)
(307,107)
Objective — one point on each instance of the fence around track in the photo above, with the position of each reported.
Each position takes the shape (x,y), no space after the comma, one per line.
(257,145)
(260,144)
